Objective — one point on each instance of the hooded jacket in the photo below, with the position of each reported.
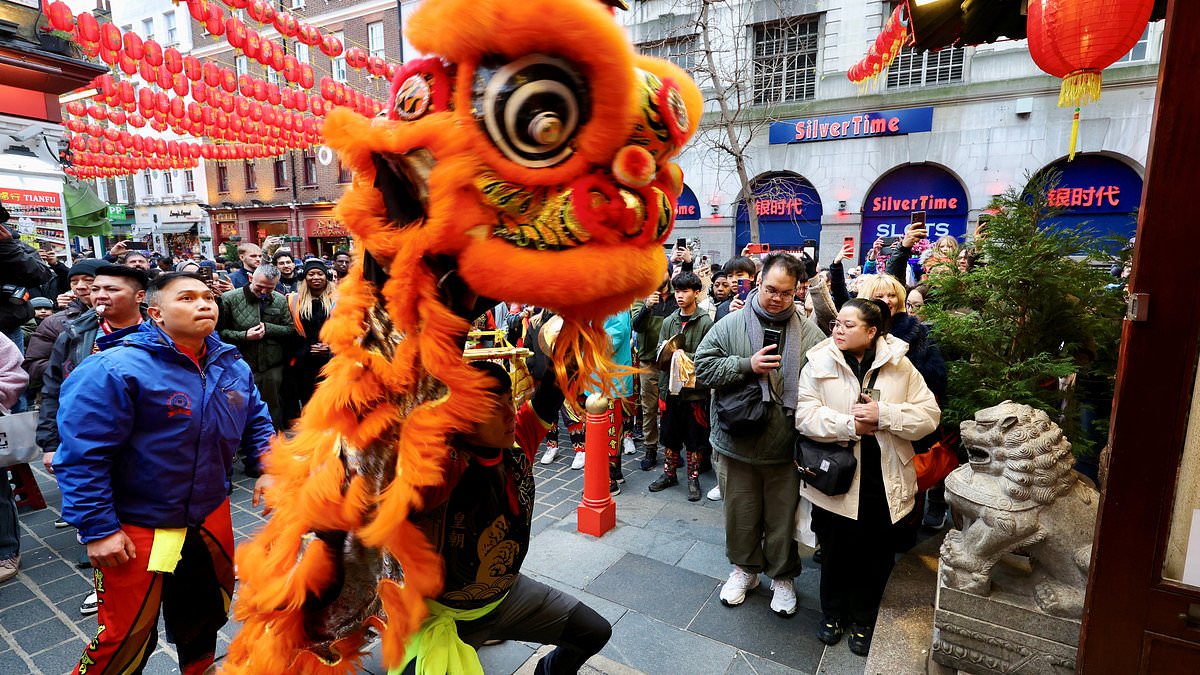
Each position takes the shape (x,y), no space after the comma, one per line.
(149,436)
(907,412)
(41,343)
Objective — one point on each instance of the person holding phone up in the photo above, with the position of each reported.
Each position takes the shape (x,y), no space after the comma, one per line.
(878,425)
(755,355)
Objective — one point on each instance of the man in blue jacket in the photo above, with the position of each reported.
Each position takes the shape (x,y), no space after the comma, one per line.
(149,428)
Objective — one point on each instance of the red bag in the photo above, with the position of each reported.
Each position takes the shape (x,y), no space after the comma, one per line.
(933,466)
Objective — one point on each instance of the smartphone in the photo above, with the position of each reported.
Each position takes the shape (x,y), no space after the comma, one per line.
(681,242)
(743,289)
(889,243)
(137,245)
(848,242)
(703,259)
(810,247)
(206,274)
(771,337)
(917,218)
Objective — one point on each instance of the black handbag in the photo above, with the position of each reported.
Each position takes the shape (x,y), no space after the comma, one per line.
(741,411)
(828,467)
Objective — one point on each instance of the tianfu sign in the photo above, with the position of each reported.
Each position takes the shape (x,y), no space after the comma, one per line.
(852,125)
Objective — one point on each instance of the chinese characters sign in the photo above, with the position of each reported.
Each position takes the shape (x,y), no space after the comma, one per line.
(1099,196)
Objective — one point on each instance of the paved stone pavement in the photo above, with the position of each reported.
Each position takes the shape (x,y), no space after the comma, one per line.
(655,577)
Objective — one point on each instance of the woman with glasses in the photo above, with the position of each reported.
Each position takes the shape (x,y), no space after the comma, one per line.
(858,389)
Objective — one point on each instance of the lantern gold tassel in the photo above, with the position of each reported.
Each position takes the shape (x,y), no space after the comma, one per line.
(1079,88)
(1074,135)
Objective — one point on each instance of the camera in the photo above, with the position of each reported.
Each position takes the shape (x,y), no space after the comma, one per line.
(13,293)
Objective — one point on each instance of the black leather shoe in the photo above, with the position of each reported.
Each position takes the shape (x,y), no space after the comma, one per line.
(818,555)
(831,631)
(614,488)
(859,639)
(694,490)
(663,482)
(650,460)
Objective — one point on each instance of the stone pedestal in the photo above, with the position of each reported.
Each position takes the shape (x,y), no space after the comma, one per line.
(1004,632)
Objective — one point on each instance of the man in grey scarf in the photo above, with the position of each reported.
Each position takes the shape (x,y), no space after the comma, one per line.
(761,348)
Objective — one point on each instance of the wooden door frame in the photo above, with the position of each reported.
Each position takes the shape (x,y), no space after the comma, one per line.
(1155,377)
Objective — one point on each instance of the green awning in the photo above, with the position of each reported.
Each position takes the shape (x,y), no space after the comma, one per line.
(87,215)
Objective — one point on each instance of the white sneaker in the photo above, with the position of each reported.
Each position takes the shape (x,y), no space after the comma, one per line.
(577,463)
(783,602)
(91,604)
(715,493)
(630,448)
(733,592)
(550,454)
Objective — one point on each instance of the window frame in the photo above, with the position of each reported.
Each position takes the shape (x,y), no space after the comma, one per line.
(279,172)
(310,167)
(1143,42)
(380,49)
(241,65)
(337,64)
(122,190)
(168,182)
(189,181)
(222,177)
(931,64)
(172,27)
(345,175)
(302,52)
(251,170)
(771,82)
(148,180)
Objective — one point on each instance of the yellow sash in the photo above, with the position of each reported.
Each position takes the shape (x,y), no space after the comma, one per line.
(436,645)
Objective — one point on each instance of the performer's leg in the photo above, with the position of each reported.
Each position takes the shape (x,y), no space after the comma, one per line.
(534,612)
(127,616)
(196,597)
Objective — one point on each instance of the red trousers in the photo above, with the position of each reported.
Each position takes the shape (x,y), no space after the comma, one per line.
(194,601)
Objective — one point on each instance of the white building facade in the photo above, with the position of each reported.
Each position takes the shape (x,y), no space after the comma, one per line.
(167,203)
(941,132)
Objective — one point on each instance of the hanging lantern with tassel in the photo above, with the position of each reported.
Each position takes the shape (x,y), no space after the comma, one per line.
(1076,39)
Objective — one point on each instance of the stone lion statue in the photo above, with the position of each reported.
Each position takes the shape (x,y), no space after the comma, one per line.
(1020,493)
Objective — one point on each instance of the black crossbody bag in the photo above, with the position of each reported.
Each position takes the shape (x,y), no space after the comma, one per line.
(828,467)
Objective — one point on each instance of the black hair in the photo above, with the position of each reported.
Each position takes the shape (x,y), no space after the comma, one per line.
(140,279)
(496,372)
(686,281)
(874,312)
(719,274)
(740,264)
(792,266)
(283,253)
(342,251)
(160,283)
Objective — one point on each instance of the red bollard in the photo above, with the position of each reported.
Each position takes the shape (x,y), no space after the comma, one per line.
(597,513)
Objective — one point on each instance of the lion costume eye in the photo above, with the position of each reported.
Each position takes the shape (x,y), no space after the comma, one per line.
(531,108)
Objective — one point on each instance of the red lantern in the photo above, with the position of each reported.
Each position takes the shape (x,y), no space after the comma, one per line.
(266,50)
(60,16)
(96,112)
(181,84)
(137,121)
(273,96)
(110,37)
(299,102)
(153,52)
(259,92)
(107,55)
(132,45)
(162,103)
(309,34)
(356,58)
(176,108)
(331,46)
(277,59)
(291,68)
(253,44)
(260,11)
(128,65)
(1075,40)
(198,9)
(286,24)
(377,66)
(214,22)
(87,28)
(229,80)
(317,105)
(192,68)
(111,134)
(117,117)
(235,32)
(77,108)
(306,76)
(328,88)
(164,78)
(173,60)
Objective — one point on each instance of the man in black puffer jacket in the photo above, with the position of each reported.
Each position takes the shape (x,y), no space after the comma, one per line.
(21,272)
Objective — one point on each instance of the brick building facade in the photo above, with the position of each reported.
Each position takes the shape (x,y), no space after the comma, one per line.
(293,195)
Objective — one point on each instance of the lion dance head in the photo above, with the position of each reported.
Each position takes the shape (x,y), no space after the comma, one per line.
(529,148)
(1022,447)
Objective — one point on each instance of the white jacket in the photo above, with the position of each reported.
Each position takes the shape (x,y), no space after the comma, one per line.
(907,412)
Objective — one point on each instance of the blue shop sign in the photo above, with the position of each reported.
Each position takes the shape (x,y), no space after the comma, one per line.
(688,207)
(890,204)
(1097,194)
(789,212)
(852,125)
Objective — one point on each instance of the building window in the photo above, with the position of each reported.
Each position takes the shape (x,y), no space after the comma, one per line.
(682,51)
(102,189)
(310,167)
(338,64)
(1140,50)
(251,177)
(148,29)
(375,38)
(242,64)
(272,76)
(280,172)
(169,181)
(149,184)
(172,31)
(222,178)
(785,61)
(122,190)
(297,4)
(302,52)
(344,173)
(925,69)
(189,181)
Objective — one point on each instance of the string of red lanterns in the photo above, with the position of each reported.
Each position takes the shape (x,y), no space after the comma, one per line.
(884,50)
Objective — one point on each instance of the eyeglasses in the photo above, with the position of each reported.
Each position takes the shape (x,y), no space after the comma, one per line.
(771,292)
(914,305)
(835,324)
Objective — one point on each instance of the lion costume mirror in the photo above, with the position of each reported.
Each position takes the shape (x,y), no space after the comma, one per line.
(1014,571)
(528,149)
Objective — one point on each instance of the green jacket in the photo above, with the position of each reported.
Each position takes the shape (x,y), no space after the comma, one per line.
(723,363)
(241,310)
(646,326)
(697,328)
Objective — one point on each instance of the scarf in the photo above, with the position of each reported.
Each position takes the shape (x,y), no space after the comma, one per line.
(789,371)
(436,646)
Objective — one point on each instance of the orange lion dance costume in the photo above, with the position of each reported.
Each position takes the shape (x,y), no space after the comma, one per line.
(532,144)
